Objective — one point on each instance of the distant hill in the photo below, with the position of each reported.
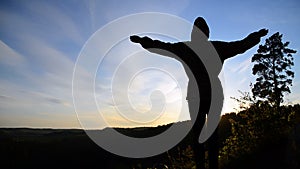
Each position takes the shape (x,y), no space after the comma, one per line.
(71,148)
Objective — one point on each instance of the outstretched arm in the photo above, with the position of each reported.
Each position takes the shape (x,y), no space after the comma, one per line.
(154,46)
(229,49)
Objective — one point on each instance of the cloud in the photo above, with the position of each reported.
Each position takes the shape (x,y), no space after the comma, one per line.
(132,85)
(36,73)
(58,22)
(36,55)
(6,98)
(10,57)
(241,67)
(54,74)
(100,11)
(40,42)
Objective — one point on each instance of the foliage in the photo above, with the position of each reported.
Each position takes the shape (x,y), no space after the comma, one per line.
(260,122)
(183,159)
(256,125)
(273,62)
(245,100)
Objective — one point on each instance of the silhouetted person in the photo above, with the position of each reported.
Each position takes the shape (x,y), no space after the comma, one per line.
(182,52)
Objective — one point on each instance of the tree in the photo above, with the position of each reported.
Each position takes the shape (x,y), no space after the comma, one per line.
(273,62)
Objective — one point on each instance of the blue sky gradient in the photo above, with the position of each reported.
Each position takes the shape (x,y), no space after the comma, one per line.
(41,40)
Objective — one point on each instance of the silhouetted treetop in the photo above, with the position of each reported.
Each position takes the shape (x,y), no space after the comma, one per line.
(273,62)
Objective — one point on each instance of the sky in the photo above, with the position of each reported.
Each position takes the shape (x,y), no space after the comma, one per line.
(40,42)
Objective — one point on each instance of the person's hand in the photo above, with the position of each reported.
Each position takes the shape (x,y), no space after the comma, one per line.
(135,38)
(262,32)
(255,36)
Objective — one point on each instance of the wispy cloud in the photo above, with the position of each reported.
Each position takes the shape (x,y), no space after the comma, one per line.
(102,10)
(9,56)
(40,41)
(59,23)
(41,72)
(241,67)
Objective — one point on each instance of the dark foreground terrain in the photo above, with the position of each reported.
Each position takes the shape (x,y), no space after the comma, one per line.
(72,148)
(68,148)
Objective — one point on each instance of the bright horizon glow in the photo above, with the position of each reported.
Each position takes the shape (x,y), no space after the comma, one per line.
(41,40)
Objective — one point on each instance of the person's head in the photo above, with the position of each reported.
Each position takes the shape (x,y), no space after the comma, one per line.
(200,24)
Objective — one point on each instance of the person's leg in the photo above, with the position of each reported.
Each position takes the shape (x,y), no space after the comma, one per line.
(199,153)
(199,120)
(213,150)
